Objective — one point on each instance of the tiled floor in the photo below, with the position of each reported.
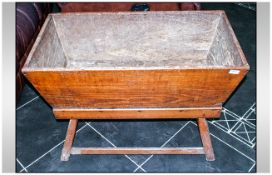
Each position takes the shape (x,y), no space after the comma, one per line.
(39,137)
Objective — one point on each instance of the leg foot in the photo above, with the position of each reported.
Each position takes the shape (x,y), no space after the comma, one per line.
(206,140)
(66,151)
(65,154)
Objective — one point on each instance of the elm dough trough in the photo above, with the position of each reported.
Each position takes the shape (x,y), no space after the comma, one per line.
(136,65)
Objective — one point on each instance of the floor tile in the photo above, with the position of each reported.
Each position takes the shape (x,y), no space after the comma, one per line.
(37,131)
(227,160)
(138,133)
(24,171)
(27,94)
(242,128)
(18,167)
(244,96)
(234,141)
(139,171)
(247,5)
(84,163)
(252,169)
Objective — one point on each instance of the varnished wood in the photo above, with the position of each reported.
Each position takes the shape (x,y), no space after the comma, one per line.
(138,150)
(134,113)
(170,72)
(206,140)
(203,129)
(71,131)
(136,65)
(135,88)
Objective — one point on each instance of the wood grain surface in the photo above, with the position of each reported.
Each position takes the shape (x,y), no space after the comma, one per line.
(69,139)
(138,150)
(135,89)
(139,40)
(206,139)
(136,60)
(140,113)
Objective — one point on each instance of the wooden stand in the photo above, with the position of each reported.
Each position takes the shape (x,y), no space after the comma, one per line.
(203,129)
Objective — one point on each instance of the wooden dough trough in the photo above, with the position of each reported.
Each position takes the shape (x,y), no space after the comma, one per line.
(136,65)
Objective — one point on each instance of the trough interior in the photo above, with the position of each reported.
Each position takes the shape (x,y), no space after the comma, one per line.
(137,40)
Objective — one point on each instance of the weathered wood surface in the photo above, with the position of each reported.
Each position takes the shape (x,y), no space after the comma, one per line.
(155,40)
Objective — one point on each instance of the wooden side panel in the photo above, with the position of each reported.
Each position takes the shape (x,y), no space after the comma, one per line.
(146,113)
(135,88)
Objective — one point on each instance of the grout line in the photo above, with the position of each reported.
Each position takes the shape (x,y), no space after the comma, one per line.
(239,124)
(246,132)
(175,134)
(100,134)
(249,124)
(21,165)
(162,145)
(225,120)
(114,145)
(245,6)
(51,149)
(251,119)
(251,167)
(235,125)
(250,132)
(27,102)
(143,163)
(253,140)
(44,154)
(82,127)
(234,115)
(249,110)
(231,113)
(224,114)
(135,163)
(240,120)
(248,113)
(230,146)
(242,138)
(238,138)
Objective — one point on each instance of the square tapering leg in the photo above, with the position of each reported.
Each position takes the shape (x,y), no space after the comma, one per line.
(206,140)
(207,148)
(71,130)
